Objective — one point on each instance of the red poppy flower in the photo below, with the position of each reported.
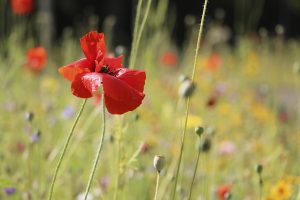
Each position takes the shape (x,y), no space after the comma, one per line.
(222,191)
(21,7)
(36,58)
(123,88)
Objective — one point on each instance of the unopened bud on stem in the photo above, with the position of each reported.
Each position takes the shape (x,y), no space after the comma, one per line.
(159,163)
(199,130)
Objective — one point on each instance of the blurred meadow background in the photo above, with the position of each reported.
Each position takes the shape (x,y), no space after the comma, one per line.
(245,96)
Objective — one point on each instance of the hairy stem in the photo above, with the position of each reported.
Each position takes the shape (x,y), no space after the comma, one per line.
(157,184)
(92,174)
(65,149)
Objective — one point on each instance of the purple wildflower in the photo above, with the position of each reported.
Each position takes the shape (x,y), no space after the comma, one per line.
(68,112)
(9,190)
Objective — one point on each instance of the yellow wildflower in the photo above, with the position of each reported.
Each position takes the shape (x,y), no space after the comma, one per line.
(261,113)
(194,121)
(282,190)
(252,64)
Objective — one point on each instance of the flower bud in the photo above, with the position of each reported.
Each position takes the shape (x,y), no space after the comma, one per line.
(199,130)
(159,163)
(259,168)
(205,145)
(187,88)
(29,116)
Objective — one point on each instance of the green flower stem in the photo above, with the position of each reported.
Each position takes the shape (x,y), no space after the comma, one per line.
(260,182)
(65,149)
(188,100)
(194,176)
(98,151)
(139,35)
(157,184)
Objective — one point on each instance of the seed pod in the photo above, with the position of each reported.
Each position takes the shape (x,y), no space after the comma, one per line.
(159,163)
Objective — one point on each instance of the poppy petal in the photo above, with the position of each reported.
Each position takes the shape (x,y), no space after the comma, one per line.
(92,43)
(70,71)
(86,84)
(134,78)
(99,61)
(119,96)
(113,63)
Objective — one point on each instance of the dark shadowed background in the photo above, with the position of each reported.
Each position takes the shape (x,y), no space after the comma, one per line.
(253,14)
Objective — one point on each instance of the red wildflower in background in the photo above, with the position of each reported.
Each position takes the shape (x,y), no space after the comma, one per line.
(123,88)
(211,102)
(21,7)
(222,191)
(213,62)
(169,59)
(36,58)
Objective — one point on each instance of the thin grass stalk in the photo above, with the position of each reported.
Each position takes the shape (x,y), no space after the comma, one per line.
(194,176)
(92,174)
(135,30)
(65,149)
(139,36)
(188,99)
(118,156)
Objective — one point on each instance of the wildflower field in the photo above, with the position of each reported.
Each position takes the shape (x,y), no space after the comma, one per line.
(82,119)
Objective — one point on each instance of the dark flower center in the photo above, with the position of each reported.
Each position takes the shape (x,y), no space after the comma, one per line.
(106,70)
